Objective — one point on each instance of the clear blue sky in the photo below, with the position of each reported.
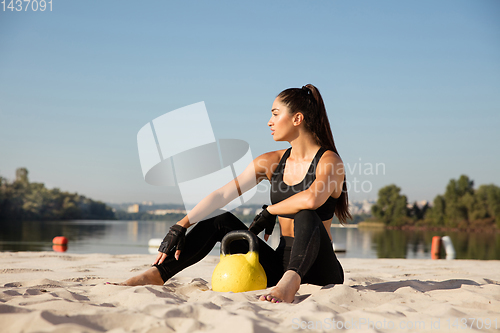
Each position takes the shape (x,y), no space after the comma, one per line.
(411,84)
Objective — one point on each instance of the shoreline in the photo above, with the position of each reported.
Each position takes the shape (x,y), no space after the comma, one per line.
(381,225)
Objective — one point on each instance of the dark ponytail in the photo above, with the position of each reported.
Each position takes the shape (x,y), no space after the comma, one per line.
(309,102)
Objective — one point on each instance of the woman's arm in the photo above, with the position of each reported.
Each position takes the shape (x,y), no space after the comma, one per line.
(254,173)
(329,180)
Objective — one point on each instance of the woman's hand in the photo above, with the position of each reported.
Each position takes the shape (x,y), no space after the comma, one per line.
(264,220)
(174,239)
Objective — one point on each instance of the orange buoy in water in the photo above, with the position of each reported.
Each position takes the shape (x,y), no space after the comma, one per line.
(436,247)
(59,248)
(60,240)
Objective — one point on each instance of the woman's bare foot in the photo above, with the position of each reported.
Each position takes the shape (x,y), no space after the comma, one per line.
(151,276)
(285,290)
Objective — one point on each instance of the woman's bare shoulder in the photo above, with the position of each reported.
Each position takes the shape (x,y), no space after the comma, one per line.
(270,161)
(273,157)
(330,155)
(276,154)
(331,159)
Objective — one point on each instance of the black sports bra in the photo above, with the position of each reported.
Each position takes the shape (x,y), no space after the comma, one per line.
(281,191)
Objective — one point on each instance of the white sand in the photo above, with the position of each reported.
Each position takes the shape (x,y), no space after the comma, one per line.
(51,292)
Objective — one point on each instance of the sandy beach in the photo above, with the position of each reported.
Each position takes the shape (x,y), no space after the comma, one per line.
(52,292)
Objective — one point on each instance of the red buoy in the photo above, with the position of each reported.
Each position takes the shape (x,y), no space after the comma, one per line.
(60,240)
(436,247)
(59,248)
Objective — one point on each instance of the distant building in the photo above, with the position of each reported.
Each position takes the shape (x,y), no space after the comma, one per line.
(22,175)
(133,208)
(353,208)
(367,206)
(363,207)
(420,204)
(166,211)
(147,203)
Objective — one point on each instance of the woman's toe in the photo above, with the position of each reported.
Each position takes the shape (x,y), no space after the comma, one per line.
(270,298)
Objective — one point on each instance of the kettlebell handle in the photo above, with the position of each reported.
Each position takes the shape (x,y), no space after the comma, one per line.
(253,243)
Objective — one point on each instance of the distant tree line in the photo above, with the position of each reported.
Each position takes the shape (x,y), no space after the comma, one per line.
(145,216)
(22,200)
(461,206)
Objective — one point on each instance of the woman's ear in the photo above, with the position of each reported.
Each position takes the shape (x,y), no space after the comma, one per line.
(298,118)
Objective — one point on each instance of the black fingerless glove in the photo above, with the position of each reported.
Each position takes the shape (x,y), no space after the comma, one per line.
(263,220)
(175,238)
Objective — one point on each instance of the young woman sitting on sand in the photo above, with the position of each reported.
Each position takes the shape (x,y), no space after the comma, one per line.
(304,209)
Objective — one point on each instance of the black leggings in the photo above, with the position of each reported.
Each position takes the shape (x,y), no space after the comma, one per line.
(310,253)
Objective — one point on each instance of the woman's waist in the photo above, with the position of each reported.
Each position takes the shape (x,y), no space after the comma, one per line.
(286,242)
(287,226)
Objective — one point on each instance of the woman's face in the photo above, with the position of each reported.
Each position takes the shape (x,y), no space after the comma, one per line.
(281,122)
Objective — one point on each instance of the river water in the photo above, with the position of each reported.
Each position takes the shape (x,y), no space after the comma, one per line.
(131,237)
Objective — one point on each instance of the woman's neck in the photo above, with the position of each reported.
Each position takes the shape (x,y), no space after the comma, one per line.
(304,147)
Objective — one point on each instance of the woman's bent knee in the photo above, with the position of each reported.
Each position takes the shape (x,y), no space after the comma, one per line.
(219,221)
(227,221)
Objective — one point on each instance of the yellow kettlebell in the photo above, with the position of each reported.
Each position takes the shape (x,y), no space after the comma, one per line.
(239,272)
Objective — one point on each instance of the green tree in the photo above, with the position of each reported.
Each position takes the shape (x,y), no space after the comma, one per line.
(417,213)
(456,205)
(488,203)
(22,200)
(391,207)
(3,196)
(437,214)
(70,209)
